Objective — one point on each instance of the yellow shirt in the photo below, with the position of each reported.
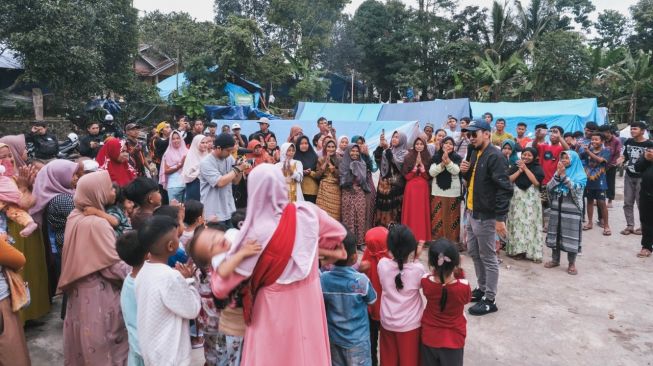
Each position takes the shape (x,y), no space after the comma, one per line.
(470,190)
(498,139)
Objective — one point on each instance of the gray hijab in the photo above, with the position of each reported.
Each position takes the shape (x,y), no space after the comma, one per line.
(398,155)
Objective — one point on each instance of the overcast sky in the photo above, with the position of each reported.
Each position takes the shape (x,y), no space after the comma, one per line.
(203,9)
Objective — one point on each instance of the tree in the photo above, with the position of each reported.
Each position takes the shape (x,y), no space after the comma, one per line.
(636,74)
(642,14)
(612,29)
(77,49)
(176,34)
(499,75)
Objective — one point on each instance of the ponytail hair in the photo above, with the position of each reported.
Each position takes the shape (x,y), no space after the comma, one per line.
(443,258)
(401,243)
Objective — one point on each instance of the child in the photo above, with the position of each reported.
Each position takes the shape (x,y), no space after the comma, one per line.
(444,325)
(376,247)
(346,296)
(10,197)
(144,192)
(133,252)
(401,302)
(193,218)
(116,214)
(221,321)
(166,298)
(176,213)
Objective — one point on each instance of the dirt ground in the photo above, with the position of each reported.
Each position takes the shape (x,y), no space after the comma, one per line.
(602,316)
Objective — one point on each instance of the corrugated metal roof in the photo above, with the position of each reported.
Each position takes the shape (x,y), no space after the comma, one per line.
(8,60)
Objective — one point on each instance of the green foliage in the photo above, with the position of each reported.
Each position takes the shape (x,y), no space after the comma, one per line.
(311,88)
(611,27)
(642,14)
(193,98)
(77,49)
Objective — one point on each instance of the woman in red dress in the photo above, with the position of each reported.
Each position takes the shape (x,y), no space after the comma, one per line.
(416,211)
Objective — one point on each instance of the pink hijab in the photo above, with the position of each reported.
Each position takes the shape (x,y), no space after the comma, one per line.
(54,179)
(16,144)
(172,157)
(9,192)
(192,163)
(267,198)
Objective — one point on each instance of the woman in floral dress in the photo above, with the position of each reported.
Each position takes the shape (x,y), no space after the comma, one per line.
(328,195)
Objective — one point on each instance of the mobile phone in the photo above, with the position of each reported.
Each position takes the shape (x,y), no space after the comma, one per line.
(330,123)
(383,131)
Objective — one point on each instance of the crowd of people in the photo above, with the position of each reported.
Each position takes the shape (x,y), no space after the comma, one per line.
(192,238)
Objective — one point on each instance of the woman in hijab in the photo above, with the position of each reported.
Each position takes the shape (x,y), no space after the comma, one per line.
(328,195)
(446,192)
(257,156)
(343,142)
(172,162)
(54,187)
(509,150)
(295,132)
(199,148)
(283,278)
(566,216)
(114,158)
(525,215)
(272,147)
(372,167)
(33,247)
(292,170)
(307,156)
(355,187)
(91,276)
(416,211)
(390,191)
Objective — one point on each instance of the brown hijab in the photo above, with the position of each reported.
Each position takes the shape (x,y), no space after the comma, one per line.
(89,241)
(17,146)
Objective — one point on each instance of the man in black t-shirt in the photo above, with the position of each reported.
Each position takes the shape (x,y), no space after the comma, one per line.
(634,149)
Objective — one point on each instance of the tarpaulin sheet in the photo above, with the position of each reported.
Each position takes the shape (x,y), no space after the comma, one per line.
(435,111)
(235,112)
(571,115)
(239,96)
(167,86)
(337,111)
(370,129)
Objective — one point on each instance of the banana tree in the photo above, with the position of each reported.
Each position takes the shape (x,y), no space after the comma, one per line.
(498,73)
(635,73)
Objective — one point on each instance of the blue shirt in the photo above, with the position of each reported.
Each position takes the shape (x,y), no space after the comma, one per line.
(596,176)
(129,313)
(346,296)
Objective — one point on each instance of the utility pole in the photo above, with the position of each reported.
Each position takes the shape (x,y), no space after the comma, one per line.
(352,86)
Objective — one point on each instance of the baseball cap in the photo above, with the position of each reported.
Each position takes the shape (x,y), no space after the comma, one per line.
(224,140)
(132,126)
(264,120)
(476,125)
(235,126)
(161,126)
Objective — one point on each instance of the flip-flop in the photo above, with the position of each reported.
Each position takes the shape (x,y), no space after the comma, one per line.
(607,232)
(627,231)
(645,253)
(586,227)
(572,272)
(637,231)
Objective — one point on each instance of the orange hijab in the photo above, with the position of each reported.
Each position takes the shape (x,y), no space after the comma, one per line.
(89,241)
(376,247)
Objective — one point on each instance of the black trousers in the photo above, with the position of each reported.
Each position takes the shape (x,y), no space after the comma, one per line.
(646,218)
(441,356)
(611,174)
(375,326)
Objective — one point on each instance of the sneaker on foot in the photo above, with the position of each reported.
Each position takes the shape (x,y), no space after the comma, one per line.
(477,295)
(483,307)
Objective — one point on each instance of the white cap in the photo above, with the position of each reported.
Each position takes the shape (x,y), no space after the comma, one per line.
(108,117)
(235,126)
(90,166)
(264,120)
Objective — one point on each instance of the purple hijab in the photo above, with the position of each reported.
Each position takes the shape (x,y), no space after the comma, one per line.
(54,179)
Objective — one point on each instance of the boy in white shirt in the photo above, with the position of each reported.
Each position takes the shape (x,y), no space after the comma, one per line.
(166,298)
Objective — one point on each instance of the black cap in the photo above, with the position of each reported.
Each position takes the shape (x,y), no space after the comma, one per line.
(132,126)
(224,140)
(40,123)
(541,125)
(476,125)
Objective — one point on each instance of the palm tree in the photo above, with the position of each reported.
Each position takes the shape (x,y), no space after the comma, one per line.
(534,21)
(634,73)
(501,26)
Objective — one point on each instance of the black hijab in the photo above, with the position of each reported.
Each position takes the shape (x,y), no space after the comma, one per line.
(522,180)
(309,157)
(445,178)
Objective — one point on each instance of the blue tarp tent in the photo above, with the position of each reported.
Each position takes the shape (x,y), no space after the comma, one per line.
(370,129)
(571,115)
(167,86)
(337,111)
(235,112)
(435,111)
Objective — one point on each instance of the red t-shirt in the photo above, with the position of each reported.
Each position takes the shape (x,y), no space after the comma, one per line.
(446,329)
(549,156)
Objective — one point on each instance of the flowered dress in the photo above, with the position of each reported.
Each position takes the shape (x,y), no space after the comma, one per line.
(524,220)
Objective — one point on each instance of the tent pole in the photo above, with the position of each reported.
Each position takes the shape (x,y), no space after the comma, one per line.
(352,86)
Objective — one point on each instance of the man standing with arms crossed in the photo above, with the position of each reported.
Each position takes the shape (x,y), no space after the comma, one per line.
(488,200)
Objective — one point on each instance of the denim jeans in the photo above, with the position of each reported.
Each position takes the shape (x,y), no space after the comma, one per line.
(359,355)
(176,193)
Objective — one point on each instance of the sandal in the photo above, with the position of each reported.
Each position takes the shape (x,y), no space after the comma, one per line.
(587,227)
(637,231)
(572,270)
(607,232)
(627,231)
(644,253)
(551,264)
